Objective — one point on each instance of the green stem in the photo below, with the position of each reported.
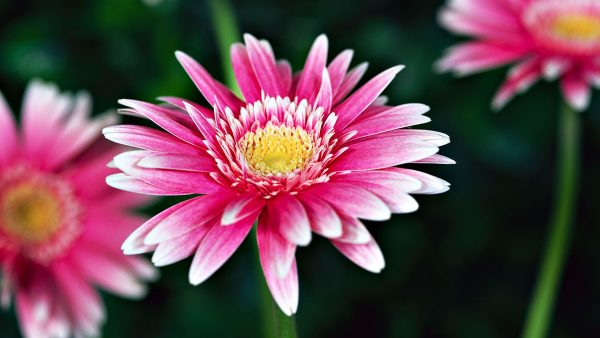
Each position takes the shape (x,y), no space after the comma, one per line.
(549,278)
(275,323)
(227,33)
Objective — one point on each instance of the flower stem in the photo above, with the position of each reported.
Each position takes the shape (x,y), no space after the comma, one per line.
(275,323)
(227,33)
(544,297)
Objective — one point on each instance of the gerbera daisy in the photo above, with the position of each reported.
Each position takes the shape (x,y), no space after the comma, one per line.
(298,155)
(556,39)
(60,225)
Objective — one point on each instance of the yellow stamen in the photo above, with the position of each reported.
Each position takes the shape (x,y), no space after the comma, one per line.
(277,149)
(577,26)
(30,213)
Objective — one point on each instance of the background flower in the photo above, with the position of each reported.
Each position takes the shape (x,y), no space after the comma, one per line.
(60,227)
(555,39)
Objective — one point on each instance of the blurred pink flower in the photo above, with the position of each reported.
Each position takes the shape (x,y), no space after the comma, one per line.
(555,39)
(60,226)
(301,153)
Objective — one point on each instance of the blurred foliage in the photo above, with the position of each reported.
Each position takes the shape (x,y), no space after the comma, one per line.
(462,266)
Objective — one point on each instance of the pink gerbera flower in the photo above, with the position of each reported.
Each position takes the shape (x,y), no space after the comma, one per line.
(60,225)
(300,154)
(556,39)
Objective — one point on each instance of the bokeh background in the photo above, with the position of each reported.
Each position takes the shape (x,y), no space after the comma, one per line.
(462,266)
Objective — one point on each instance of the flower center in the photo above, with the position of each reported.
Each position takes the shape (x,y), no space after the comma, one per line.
(277,149)
(31,213)
(566,27)
(577,26)
(39,214)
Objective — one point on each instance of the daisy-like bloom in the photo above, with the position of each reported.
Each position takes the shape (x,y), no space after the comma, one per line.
(554,39)
(300,154)
(61,227)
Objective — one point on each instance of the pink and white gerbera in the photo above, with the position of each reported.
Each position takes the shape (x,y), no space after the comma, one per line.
(555,39)
(60,226)
(300,154)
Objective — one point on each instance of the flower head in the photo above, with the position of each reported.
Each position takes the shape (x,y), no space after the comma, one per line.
(299,154)
(60,226)
(556,39)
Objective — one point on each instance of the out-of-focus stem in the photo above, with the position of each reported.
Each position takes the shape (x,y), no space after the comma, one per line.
(227,33)
(549,279)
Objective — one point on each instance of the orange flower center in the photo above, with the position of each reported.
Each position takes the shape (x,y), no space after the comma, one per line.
(277,149)
(577,26)
(40,216)
(31,213)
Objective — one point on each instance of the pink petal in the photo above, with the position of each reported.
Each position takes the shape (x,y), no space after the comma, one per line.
(471,57)
(195,214)
(312,73)
(576,90)
(276,253)
(182,162)
(290,218)
(213,91)
(520,78)
(134,244)
(201,121)
(158,115)
(324,97)
(390,119)
(353,231)
(128,183)
(285,289)
(351,108)
(216,248)
(352,200)
(265,67)
(382,153)
(436,159)
(338,67)
(178,248)
(429,184)
(244,73)
(108,272)
(8,132)
(148,139)
(285,72)
(184,182)
(350,81)
(241,207)
(368,256)
(323,218)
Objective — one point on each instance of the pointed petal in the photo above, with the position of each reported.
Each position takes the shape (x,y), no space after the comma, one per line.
(276,253)
(368,256)
(244,73)
(193,215)
(265,67)
(216,248)
(351,108)
(285,289)
(352,200)
(323,218)
(213,91)
(310,78)
(241,207)
(292,219)
(338,67)
(8,132)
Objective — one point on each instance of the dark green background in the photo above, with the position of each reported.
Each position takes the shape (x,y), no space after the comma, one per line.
(462,266)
